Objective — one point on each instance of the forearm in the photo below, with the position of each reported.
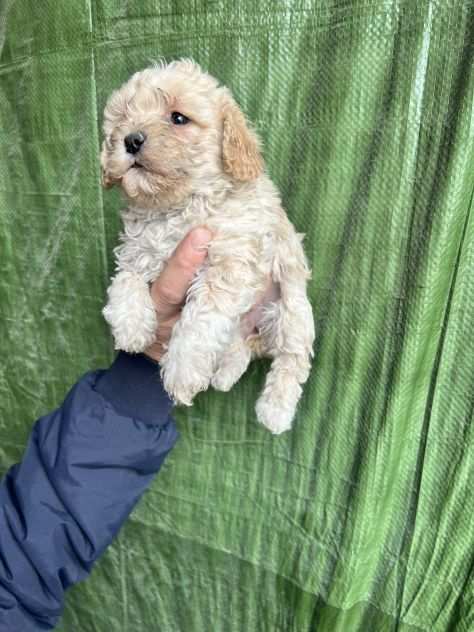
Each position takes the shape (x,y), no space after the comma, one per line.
(85,467)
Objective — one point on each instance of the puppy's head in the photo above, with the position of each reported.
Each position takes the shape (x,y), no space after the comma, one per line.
(170,131)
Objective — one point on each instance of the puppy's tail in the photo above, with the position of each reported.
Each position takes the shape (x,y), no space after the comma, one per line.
(289,333)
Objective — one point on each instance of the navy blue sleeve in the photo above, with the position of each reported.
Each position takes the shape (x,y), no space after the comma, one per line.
(85,467)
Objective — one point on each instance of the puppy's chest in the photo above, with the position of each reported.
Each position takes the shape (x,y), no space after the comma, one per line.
(147,245)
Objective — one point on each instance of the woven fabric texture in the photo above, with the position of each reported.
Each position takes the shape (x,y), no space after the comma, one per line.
(361,518)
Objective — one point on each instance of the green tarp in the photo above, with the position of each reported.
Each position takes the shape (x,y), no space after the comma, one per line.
(361,517)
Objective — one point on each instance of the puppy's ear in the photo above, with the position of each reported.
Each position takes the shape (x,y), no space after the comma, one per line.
(240,145)
(107,181)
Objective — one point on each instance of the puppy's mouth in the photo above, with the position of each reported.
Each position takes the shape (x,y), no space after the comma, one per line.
(136,165)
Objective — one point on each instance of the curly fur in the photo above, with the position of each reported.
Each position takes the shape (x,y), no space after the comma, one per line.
(208,172)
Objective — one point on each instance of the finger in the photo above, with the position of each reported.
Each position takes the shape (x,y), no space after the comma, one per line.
(169,290)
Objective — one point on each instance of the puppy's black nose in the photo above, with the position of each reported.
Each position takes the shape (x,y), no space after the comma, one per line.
(133,142)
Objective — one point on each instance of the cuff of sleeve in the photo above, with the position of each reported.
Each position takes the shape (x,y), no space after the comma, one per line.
(132,385)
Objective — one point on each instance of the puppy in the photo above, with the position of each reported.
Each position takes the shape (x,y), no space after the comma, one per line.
(182,152)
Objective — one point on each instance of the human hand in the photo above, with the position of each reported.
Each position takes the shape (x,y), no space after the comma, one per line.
(169,290)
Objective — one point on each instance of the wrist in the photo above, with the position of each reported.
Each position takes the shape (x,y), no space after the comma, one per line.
(154,352)
(132,385)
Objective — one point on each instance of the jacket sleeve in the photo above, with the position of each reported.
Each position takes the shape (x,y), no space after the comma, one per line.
(85,467)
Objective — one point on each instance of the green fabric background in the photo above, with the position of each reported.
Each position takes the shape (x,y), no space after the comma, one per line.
(361,518)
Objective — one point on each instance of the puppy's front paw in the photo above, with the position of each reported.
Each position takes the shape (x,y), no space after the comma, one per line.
(132,336)
(131,313)
(181,381)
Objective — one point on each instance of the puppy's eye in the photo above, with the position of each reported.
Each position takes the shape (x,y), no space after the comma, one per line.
(179,119)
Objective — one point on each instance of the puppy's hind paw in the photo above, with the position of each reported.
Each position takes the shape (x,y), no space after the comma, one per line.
(274,416)
(231,367)
(181,385)
(225,377)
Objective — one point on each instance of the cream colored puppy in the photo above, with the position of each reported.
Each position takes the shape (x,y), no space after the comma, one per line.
(183,154)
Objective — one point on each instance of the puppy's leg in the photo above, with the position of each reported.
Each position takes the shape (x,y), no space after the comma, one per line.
(289,334)
(205,330)
(291,350)
(196,343)
(130,312)
(277,403)
(232,364)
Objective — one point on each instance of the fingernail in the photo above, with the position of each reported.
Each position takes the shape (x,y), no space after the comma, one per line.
(200,238)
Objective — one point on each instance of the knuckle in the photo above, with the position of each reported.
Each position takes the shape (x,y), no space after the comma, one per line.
(185,263)
(170,295)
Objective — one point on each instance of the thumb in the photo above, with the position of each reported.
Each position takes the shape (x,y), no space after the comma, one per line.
(169,290)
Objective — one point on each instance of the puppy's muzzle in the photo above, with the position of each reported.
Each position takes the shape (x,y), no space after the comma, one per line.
(133,142)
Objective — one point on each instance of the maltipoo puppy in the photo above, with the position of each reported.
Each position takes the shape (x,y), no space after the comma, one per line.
(181,150)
